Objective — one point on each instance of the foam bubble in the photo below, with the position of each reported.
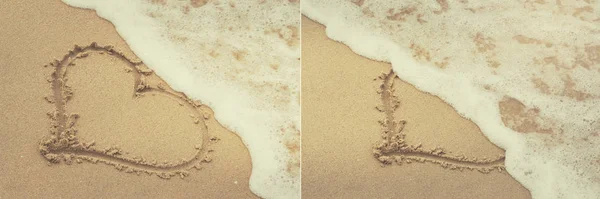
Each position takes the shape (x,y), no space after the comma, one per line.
(240,58)
(527,73)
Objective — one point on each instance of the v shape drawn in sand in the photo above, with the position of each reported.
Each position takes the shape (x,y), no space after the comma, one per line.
(394,149)
(63,144)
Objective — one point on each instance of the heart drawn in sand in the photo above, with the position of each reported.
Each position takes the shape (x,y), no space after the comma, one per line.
(63,144)
(394,149)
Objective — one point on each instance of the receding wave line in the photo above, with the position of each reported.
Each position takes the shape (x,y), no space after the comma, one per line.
(393,147)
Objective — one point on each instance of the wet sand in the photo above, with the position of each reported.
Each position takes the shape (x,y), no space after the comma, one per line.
(124,122)
(344,117)
(340,121)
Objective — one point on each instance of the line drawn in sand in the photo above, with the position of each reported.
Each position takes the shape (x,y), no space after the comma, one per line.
(64,145)
(394,149)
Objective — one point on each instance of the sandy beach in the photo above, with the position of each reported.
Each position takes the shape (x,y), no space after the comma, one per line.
(340,120)
(84,117)
(125,116)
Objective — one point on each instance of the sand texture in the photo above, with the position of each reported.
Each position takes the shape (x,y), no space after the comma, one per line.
(368,134)
(82,116)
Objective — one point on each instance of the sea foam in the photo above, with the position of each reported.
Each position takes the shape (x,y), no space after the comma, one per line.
(240,58)
(526,72)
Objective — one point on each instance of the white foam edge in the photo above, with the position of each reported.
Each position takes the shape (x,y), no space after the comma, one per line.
(224,105)
(429,79)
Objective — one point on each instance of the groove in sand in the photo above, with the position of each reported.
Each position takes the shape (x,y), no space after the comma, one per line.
(63,144)
(393,147)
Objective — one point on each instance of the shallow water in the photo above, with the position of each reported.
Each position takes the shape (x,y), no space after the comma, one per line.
(527,73)
(241,59)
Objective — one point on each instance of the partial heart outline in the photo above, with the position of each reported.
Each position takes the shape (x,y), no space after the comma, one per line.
(63,144)
(394,149)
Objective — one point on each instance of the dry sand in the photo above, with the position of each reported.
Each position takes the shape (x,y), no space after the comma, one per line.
(130,115)
(341,126)
(340,122)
